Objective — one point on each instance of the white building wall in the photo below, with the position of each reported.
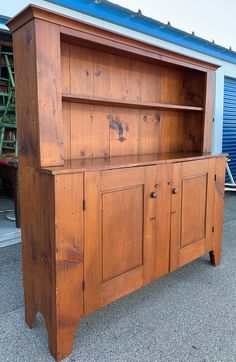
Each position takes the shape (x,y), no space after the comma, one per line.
(11,7)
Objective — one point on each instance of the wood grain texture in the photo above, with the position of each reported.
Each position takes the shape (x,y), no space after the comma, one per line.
(193,209)
(102,74)
(81,70)
(48,57)
(149,132)
(93,131)
(163,214)
(89,131)
(67,129)
(194,131)
(118,253)
(92,250)
(150,206)
(215,252)
(52,237)
(122,231)
(113,179)
(65,67)
(38,246)
(165,105)
(192,216)
(38,79)
(26,112)
(106,101)
(175,217)
(123,131)
(194,88)
(68,259)
(120,162)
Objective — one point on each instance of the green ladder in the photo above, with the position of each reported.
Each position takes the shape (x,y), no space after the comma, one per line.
(8,140)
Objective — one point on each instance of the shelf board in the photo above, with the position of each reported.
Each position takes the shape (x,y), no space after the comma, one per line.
(115,162)
(128,104)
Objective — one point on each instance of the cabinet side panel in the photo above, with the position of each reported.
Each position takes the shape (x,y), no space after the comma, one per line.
(37,224)
(26,94)
(69,256)
(38,93)
(48,58)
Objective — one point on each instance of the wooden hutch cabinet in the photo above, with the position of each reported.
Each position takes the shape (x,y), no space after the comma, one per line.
(118,185)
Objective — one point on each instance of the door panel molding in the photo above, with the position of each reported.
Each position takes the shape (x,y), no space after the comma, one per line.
(122,231)
(125,191)
(187,243)
(191,214)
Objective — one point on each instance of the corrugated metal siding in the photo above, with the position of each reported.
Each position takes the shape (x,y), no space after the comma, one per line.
(229,122)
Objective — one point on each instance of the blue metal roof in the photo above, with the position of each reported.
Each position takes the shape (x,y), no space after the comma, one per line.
(116,14)
(3,19)
(106,10)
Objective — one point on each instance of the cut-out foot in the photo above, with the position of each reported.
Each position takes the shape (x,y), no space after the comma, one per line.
(60,343)
(60,338)
(215,257)
(30,317)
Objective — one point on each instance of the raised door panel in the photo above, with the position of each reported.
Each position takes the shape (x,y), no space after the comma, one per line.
(119,233)
(122,231)
(193,216)
(191,210)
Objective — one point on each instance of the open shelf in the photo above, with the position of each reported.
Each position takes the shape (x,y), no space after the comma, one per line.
(126,104)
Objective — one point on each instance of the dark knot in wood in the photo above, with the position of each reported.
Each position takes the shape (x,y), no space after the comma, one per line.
(118,126)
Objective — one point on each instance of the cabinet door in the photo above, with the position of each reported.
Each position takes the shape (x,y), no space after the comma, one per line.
(191,210)
(118,233)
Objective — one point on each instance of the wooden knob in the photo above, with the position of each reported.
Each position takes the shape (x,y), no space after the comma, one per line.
(154,194)
(174,191)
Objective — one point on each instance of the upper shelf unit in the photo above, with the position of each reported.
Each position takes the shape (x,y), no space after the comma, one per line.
(98,94)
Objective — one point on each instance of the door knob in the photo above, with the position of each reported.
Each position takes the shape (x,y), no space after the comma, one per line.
(154,194)
(174,191)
